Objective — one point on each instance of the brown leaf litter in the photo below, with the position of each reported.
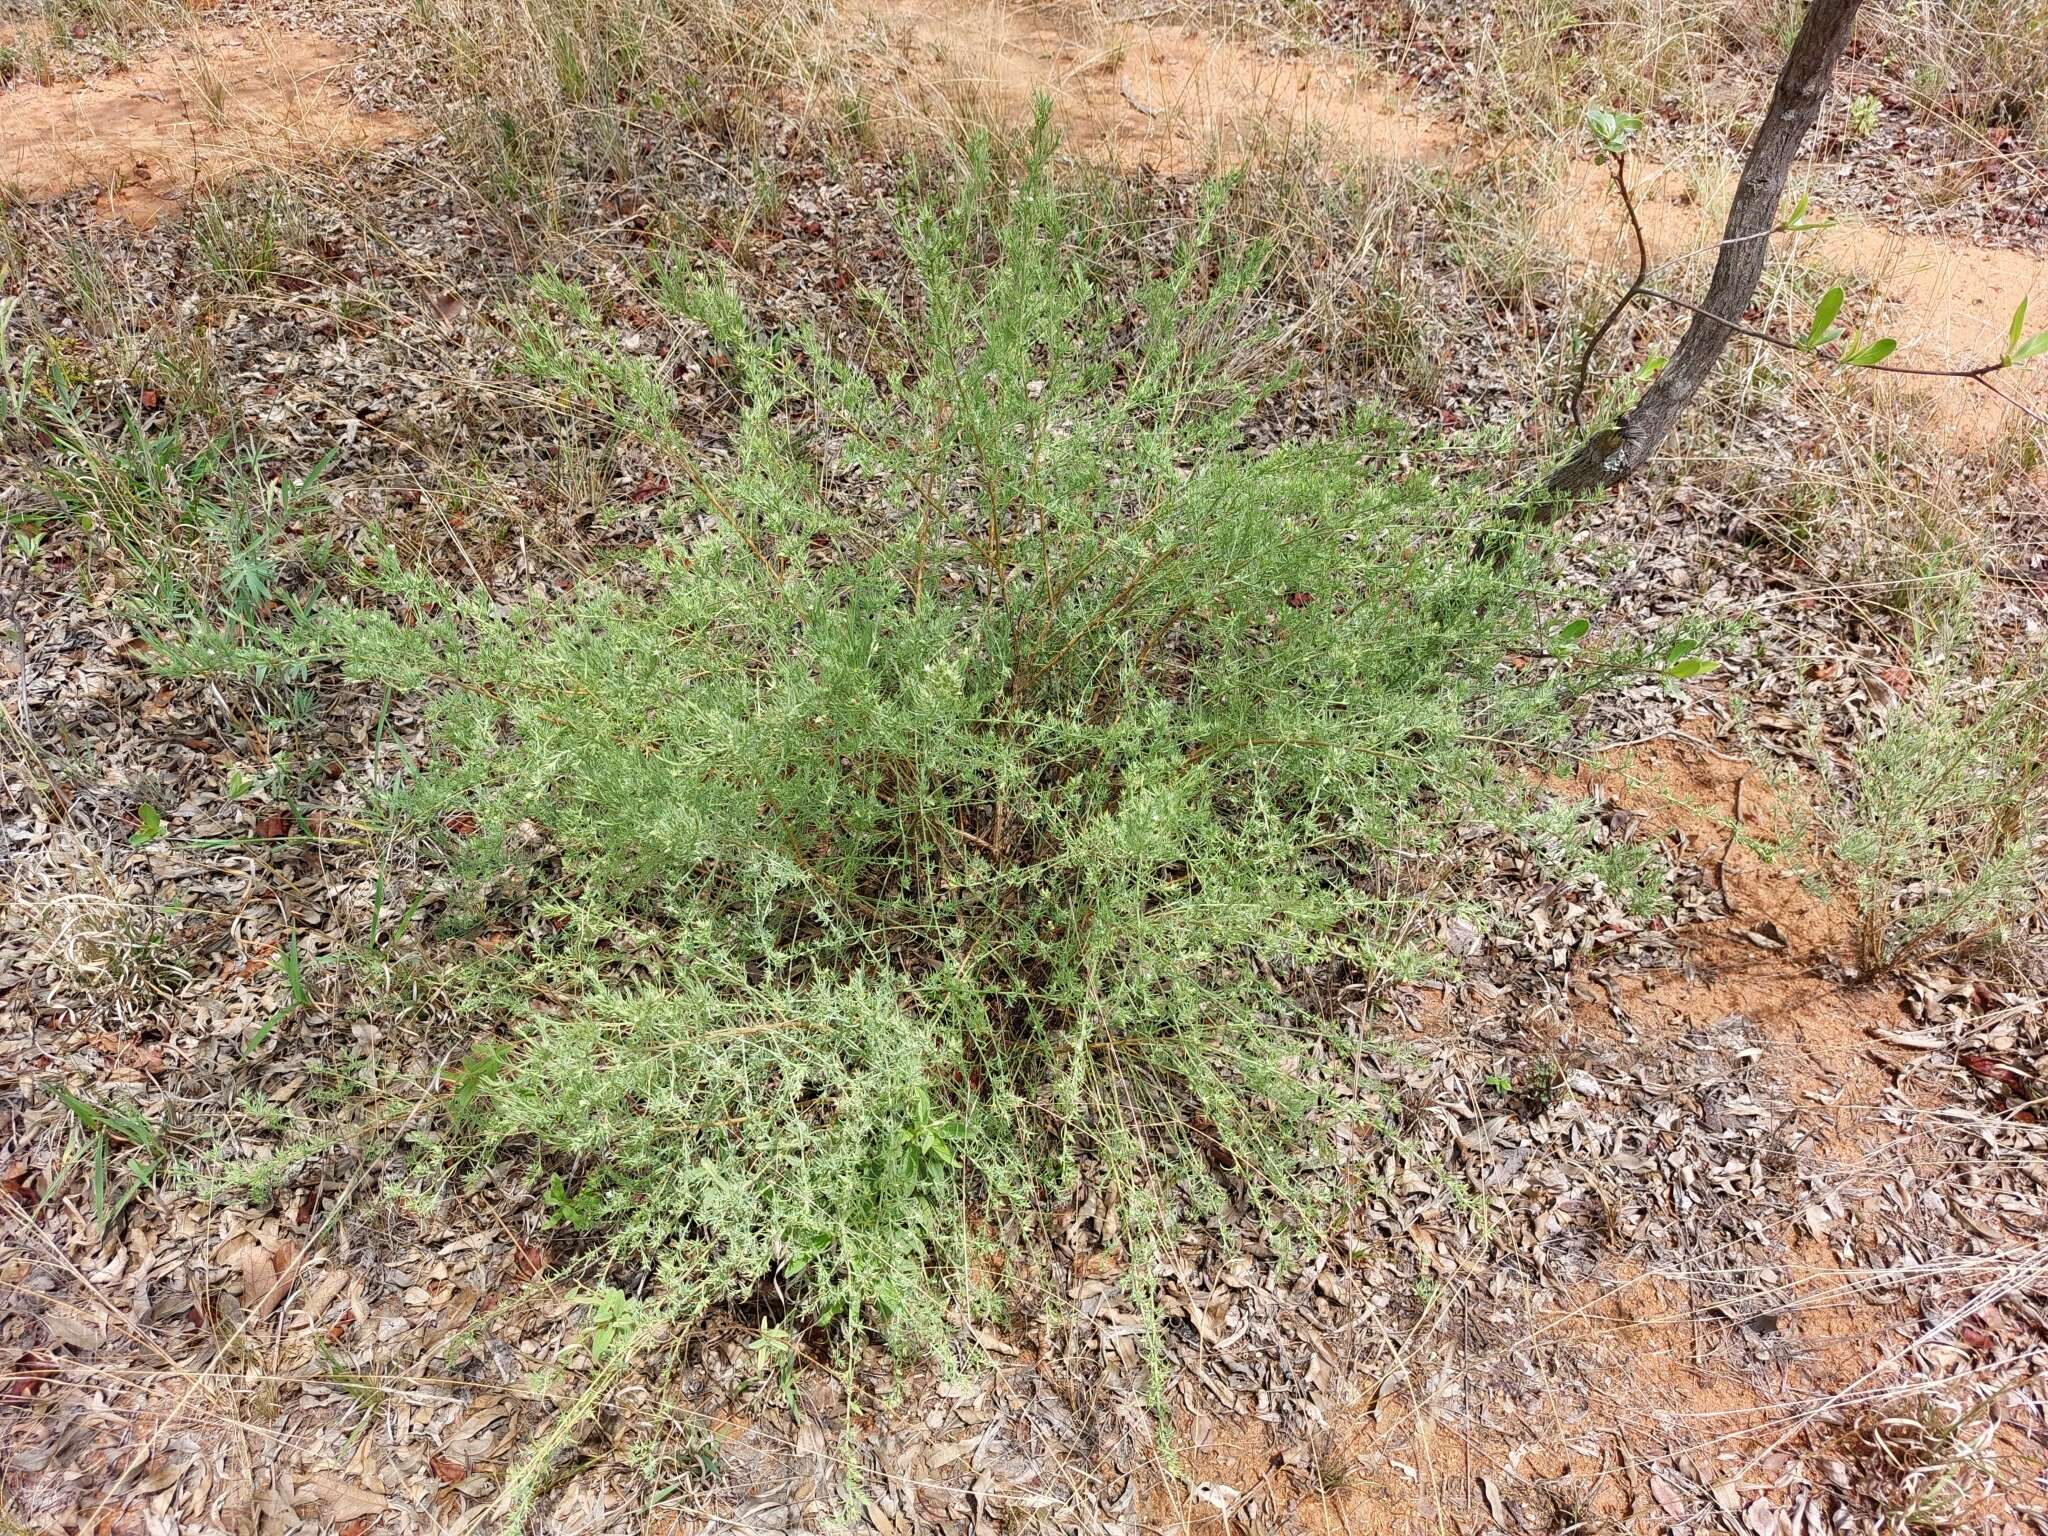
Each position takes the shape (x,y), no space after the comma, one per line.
(1728,1379)
(221,102)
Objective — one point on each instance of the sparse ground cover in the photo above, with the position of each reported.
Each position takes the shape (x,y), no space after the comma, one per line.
(721,819)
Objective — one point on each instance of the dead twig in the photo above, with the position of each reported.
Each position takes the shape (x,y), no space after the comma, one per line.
(1721,865)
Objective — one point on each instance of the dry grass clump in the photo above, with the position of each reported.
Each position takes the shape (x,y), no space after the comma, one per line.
(1981,64)
(551,89)
(1942,819)
(1889,527)
(66,39)
(1924,1463)
(1348,261)
(89,937)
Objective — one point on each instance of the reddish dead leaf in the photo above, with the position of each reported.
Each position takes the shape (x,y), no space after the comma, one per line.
(26,1378)
(1300,599)
(462,824)
(14,1179)
(360,1526)
(649,487)
(449,1470)
(272,825)
(1898,678)
(1997,1071)
(529,1259)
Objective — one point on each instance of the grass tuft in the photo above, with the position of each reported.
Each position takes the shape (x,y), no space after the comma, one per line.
(1941,823)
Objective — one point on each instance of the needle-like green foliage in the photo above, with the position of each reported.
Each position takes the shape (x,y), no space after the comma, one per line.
(991,792)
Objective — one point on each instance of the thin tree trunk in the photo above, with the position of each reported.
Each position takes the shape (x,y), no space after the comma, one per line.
(1611,456)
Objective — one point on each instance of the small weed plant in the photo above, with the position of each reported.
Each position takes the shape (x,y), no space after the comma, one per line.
(1943,819)
(198,522)
(240,234)
(985,789)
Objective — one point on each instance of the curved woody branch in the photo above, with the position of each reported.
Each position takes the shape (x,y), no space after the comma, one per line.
(1639,288)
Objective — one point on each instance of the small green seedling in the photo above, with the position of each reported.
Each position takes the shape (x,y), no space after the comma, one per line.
(2017,351)
(1612,131)
(614,1321)
(1682,661)
(149,826)
(107,1125)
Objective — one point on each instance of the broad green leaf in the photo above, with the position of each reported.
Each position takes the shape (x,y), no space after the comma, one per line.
(2019,327)
(1612,130)
(1692,666)
(1876,352)
(150,826)
(1823,329)
(2029,349)
(1797,223)
(1575,631)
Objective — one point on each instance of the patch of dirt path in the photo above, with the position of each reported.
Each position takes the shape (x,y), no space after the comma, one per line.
(1134,94)
(1660,1391)
(1779,959)
(226,100)
(1182,100)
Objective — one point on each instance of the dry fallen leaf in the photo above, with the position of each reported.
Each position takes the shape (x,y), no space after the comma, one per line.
(529,1258)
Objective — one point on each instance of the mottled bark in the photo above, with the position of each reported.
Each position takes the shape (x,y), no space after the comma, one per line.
(1612,455)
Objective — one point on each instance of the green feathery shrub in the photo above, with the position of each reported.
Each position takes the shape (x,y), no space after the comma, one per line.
(991,790)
